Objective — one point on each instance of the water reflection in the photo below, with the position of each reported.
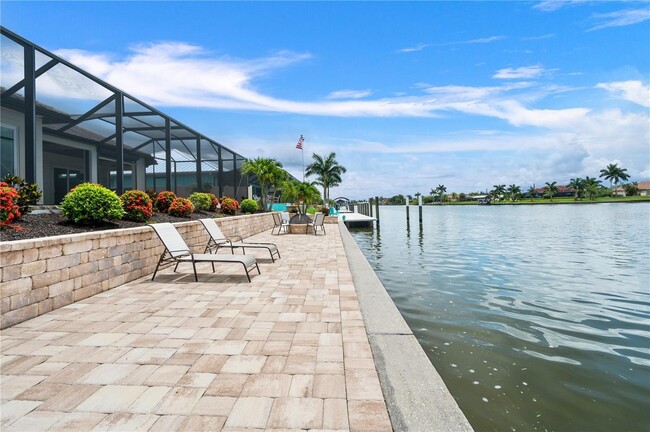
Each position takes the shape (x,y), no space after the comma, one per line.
(536,317)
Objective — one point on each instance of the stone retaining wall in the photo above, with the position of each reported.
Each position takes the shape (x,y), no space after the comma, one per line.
(40,275)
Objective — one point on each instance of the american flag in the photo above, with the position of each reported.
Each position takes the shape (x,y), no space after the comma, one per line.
(300,141)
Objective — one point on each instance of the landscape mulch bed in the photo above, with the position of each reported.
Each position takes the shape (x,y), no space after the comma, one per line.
(53,224)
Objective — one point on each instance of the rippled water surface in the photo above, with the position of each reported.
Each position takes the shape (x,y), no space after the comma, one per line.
(537,317)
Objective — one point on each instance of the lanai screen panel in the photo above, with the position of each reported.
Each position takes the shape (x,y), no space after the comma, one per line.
(209,167)
(184,165)
(13,63)
(228,173)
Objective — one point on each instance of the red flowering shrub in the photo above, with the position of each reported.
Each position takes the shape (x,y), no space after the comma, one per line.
(137,206)
(229,205)
(164,200)
(181,207)
(214,203)
(9,209)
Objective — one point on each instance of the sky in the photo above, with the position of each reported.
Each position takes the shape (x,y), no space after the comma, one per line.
(410,95)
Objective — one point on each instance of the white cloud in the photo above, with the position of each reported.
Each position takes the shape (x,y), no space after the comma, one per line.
(621,18)
(349,94)
(523,72)
(418,47)
(176,74)
(474,41)
(546,36)
(633,91)
(553,5)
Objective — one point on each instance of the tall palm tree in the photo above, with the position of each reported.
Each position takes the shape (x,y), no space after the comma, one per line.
(578,186)
(591,187)
(550,190)
(265,169)
(614,174)
(514,192)
(498,191)
(278,178)
(440,191)
(328,172)
(531,192)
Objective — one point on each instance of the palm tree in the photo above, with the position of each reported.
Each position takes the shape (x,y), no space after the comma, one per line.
(591,187)
(514,192)
(498,191)
(550,190)
(265,169)
(304,193)
(614,174)
(327,171)
(532,191)
(578,185)
(440,191)
(278,178)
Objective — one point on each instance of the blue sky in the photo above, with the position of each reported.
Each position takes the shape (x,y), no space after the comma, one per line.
(408,95)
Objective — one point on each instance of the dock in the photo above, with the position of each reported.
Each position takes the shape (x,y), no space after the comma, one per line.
(356,220)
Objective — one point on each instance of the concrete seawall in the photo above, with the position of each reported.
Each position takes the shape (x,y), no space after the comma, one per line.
(416,397)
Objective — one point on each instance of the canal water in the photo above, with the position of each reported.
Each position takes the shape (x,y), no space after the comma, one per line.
(536,317)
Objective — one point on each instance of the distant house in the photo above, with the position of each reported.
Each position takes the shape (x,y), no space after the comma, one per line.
(562,191)
(644,189)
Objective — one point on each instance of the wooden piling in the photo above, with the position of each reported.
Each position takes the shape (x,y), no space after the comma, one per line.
(377,208)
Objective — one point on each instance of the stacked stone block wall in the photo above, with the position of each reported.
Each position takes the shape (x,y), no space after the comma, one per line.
(40,275)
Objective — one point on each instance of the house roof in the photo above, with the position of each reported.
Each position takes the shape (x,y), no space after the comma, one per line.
(643,185)
(560,189)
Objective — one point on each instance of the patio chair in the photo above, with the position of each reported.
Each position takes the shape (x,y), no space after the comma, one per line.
(319,222)
(279,223)
(217,240)
(177,251)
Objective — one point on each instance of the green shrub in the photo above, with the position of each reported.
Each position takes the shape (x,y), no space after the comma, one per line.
(311,211)
(136,205)
(181,207)
(229,205)
(201,201)
(91,203)
(28,193)
(164,200)
(248,206)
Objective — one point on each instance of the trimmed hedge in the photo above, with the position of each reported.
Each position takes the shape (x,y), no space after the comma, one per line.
(90,203)
(248,206)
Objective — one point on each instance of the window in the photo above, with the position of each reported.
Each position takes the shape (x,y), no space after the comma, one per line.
(8,152)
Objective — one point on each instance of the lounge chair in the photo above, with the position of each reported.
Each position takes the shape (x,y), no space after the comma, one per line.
(319,222)
(217,240)
(176,251)
(280,224)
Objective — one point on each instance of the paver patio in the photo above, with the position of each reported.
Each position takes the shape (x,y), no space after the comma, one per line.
(288,351)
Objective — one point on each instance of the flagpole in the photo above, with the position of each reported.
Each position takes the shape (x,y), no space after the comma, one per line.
(302,152)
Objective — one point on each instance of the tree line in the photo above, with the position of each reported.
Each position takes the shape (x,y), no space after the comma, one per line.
(580,188)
